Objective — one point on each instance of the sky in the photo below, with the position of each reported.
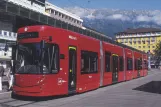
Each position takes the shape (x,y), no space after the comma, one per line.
(111,4)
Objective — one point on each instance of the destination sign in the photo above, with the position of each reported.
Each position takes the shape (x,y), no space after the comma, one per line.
(28,35)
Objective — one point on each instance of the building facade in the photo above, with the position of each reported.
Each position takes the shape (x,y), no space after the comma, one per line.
(63,15)
(144,39)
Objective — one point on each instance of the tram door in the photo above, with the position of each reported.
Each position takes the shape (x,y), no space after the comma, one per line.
(72,69)
(114,68)
(138,64)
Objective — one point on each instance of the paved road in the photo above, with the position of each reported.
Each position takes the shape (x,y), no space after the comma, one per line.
(142,92)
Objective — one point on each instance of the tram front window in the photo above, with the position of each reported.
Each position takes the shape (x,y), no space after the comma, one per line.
(29,58)
(32,59)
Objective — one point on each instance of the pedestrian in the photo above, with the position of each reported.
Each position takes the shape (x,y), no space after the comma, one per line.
(1,75)
(9,76)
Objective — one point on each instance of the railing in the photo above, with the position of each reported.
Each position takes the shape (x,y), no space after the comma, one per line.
(27,4)
(138,35)
(6,35)
(62,11)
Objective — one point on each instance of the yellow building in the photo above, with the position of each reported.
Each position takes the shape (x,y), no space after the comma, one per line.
(144,39)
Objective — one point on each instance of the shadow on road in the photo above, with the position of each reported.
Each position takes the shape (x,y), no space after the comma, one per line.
(37,99)
(152,87)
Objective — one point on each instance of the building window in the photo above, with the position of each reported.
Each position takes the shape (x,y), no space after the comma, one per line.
(89,62)
(153,39)
(148,46)
(148,40)
(107,61)
(148,34)
(153,46)
(122,40)
(130,41)
(60,14)
(143,41)
(139,41)
(134,40)
(121,63)
(125,40)
(143,46)
(139,46)
(66,17)
(72,19)
(56,13)
(5,33)
(129,64)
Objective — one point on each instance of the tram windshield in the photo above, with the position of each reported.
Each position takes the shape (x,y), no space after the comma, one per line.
(29,58)
(33,59)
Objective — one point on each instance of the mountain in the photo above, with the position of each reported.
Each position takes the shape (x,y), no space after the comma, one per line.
(112,21)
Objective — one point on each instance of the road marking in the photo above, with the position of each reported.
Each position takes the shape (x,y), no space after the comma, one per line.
(5,92)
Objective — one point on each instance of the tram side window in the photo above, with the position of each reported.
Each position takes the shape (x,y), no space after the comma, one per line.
(139,64)
(129,64)
(89,62)
(145,64)
(121,65)
(51,59)
(107,61)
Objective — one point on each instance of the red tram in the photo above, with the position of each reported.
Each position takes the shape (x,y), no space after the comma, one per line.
(53,61)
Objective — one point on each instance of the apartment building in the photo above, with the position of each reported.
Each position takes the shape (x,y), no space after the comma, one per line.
(144,39)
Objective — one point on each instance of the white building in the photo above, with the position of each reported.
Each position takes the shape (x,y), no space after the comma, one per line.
(35,6)
(63,15)
(51,10)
